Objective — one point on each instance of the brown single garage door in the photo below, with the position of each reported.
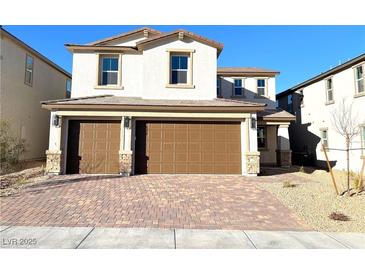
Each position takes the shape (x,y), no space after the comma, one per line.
(188,147)
(93,147)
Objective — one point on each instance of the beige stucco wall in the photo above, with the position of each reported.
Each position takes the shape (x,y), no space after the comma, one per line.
(250,89)
(20,103)
(268,155)
(146,74)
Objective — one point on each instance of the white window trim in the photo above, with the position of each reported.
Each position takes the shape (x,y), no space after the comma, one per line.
(329,90)
(99,71)
(266,87)
(68,80)
(27,70)
(265,138)
(242,87)
(180,52)
(357,80)
(322,139)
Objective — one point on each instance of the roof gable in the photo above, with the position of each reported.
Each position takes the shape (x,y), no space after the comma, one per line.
(137,34)
(180,34)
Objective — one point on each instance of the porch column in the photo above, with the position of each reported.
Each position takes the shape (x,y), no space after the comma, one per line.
(54,163)
(283,152)
(125,152)
(252,159)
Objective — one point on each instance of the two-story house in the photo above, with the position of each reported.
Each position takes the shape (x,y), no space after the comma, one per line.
(26,78)
(150,102)
(314,102)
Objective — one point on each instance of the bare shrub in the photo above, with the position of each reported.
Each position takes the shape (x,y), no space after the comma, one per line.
(337,216)
(11,148)
(287,184)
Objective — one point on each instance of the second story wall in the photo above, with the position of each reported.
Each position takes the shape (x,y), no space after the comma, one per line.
(315,104)
(250,89)
(146,74)
(20,99)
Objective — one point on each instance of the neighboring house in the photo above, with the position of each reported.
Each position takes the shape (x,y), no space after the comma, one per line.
(26,78)
(313,103)
(147,102)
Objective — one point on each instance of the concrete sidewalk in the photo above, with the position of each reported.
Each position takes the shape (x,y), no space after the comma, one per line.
(90,237)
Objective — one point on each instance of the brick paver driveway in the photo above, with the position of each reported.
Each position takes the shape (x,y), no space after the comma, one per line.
(165,201)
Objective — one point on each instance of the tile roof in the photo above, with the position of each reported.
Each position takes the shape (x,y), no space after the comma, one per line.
(138,101)
(121,35)
(275,114)
(244,70)
(217,45)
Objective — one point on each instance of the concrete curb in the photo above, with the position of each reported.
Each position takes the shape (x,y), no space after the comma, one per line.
(146,238)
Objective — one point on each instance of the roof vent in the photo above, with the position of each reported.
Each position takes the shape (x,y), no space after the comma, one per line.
(181,35)
(145,33)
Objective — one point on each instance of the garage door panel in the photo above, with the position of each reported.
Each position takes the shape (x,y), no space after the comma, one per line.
(208,158)
(181,135)
(168,168)
(167,157)
(194,157)
(181,157)
(97,149)
(232,146)
(154,168)
(194,168)
(194,146)
(154,157)
(188,147)
(181,147)
(234,157)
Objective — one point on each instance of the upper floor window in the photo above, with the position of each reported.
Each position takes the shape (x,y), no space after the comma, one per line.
(29,63)
(109,70)
(68,88)
(329,90)
(219,87)
(261,87)
(359,79)
(261,137)
(324,137)
(238,87)
(179,69)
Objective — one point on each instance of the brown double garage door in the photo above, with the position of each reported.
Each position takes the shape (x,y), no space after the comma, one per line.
(160,147)
(188,147)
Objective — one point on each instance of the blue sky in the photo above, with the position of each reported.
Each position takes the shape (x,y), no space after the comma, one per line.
(298,52)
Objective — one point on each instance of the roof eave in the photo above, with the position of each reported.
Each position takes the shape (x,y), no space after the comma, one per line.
(323,75)
(84,48)
(162,108)
(238,74)
(123,35)
(35,52)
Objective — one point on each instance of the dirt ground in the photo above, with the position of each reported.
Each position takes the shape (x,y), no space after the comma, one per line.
(314,199)
(30,172)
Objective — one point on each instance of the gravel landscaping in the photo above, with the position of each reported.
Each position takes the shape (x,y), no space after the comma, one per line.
(314,200)
(32,173)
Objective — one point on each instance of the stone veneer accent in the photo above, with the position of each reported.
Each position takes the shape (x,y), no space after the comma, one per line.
(125,162)
(283,158)
(253,162)
(54,162)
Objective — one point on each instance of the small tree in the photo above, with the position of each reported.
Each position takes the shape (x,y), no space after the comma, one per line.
(11,148)
(346,124)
